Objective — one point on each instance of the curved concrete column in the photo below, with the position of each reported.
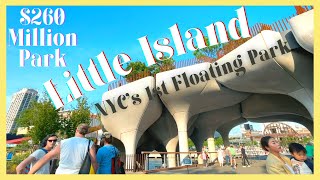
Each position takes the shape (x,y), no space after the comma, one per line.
(129,124)
(211,148)
(184,101)
(170,138)
(264,76)
(299,65)
(302,28)
(147,142)
(276,107)
(182,122)
(225,137)
(171,147)
(208,122)
(270,105)
(198,143)
(117,143)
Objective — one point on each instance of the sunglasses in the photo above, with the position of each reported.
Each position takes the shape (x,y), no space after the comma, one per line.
(55,140)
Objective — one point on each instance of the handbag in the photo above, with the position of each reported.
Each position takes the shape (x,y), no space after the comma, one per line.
(86,164)
(117,165)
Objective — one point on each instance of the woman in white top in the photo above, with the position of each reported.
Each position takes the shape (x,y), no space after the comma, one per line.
(220,156)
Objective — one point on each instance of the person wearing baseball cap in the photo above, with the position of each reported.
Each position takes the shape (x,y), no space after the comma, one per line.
(105,154)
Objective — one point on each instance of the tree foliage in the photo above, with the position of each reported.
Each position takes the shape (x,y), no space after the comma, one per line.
(209,51)
(285,141)
(191,144)
(165,62)
(218,141)
(81,114)
(138,66)
(42,117)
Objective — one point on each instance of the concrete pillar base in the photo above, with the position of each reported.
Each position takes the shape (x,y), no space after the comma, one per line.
(171,147)
(211,148)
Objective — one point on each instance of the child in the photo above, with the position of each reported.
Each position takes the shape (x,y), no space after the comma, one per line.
(300,163)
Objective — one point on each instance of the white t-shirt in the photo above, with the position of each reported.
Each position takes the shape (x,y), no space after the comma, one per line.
(72,154)
(38,154)
(301,166)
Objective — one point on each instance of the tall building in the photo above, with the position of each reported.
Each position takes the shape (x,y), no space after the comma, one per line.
(19,102)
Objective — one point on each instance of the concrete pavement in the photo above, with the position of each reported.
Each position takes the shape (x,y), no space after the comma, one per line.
(257,167)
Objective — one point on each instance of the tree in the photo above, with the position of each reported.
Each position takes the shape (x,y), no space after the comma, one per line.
(209,51)
(164,64)
(191,144)
(79,115)
(218,141)
(137,67)
(140,69)
(41,118)
(205,143)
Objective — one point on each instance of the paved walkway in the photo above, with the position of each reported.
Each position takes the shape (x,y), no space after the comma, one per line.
(257,167)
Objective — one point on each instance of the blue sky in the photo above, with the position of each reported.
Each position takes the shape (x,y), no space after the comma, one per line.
(114,30)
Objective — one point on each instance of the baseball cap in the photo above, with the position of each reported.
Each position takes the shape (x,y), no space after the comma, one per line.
(106,135)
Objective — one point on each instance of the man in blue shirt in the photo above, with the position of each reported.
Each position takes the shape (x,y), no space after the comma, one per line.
(105,154)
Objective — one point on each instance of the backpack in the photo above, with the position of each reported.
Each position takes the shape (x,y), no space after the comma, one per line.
(116,164)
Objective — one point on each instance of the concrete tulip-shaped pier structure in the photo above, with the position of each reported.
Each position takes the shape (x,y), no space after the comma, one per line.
(207,123)
(191,96)
(165,130)
(302,28)
(268,78)
(129,124)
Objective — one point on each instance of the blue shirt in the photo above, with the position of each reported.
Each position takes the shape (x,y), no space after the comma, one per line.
(104,158)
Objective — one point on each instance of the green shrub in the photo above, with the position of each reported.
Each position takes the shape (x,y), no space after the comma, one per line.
(16,160)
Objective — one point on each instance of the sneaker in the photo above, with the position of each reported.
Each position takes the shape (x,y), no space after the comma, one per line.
(248,166)
(243,166)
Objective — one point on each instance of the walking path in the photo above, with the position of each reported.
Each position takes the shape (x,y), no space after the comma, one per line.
(257,167)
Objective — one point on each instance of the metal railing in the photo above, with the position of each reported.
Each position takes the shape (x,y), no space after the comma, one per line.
(147,161)
(280,25)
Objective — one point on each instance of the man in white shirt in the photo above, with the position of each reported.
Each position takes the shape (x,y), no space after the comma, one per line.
(72,152)
(47,144)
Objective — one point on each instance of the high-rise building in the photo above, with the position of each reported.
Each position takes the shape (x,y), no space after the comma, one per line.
(19,102)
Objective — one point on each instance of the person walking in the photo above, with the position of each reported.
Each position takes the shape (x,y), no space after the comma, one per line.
(233,157)
(227,155)
(204,156)
(276,163)
(220,157)
(72,152)
(47,145)
(105,154)
(244,157)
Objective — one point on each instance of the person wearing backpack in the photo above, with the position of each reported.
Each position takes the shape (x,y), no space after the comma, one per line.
(107,155)
(47,145)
